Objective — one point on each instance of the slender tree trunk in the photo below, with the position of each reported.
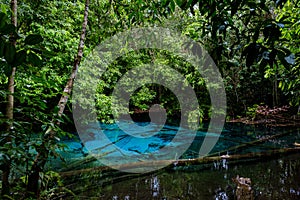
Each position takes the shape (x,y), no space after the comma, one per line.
(10,104)
(276,85)
(9,126)
(43,153)
(275,90)
(68,88)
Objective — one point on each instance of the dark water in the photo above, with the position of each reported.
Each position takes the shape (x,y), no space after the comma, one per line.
(271,179)
(276,178)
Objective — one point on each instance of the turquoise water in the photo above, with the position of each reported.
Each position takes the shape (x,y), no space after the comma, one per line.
(272,178)
(233,135)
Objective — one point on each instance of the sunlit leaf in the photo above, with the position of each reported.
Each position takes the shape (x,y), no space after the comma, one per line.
(34,59)
(172,5)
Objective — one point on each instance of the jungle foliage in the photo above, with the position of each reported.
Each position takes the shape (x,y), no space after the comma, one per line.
(255,45)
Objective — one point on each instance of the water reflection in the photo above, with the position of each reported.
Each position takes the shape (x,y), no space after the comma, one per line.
(221,195)
(221,164)
(117,198)
(155,186)
(271,179)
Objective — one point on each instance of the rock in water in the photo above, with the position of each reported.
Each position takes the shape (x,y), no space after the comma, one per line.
(243,190)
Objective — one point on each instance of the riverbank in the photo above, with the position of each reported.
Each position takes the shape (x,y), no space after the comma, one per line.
(284,116)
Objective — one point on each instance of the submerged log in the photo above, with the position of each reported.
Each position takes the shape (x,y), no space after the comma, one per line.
(252,143)
(182,162)
(91,158)
(297,144)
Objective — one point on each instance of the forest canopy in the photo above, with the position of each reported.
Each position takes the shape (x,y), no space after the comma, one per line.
(254,44)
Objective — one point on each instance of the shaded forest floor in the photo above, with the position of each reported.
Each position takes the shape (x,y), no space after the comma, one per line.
(284,116)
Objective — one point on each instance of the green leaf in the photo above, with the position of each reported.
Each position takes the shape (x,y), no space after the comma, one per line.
(272,32)
(34,59)
(20,58)
(165,2)
(3,19)
(179,2)
(2,43)
(172,5)
(281,55)
(280,3)
(7,70)
(3,65)
(9,52)
(33,39)
(280,84)
(234,7)
(7,29)
(251,52)
(257,32)
(191,3)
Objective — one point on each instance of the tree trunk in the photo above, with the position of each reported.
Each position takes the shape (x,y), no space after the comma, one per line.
(9,126)
(68,88)
(10,104)
(43,152)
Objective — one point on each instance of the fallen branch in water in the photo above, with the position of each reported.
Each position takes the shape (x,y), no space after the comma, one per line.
(92,158)
(251,143)
(182,162)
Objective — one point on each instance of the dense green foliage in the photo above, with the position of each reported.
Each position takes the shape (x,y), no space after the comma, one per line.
(255,44)
(250,43)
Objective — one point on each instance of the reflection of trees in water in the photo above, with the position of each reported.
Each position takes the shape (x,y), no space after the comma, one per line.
(277,179)
(271,179)
(155,186)
(282,180)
